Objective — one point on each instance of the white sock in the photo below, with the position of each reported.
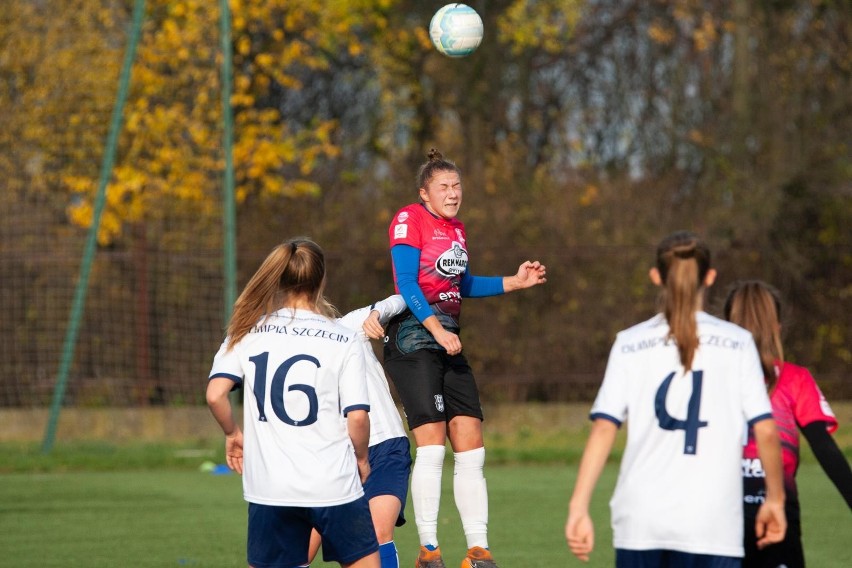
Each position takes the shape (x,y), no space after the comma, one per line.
(426,492)
(471,496)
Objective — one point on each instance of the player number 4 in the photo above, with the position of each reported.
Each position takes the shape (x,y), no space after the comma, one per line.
(691,424)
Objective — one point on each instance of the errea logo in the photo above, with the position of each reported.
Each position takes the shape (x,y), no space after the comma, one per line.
(452,262)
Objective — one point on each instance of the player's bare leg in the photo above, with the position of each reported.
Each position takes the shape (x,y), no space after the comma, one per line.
(369,561)
(385,511)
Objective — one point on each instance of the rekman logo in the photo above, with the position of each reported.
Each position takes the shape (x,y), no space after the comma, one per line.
(452,262)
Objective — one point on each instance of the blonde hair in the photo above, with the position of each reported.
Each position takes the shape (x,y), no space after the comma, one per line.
(756,306)
(293,270)
(683,261)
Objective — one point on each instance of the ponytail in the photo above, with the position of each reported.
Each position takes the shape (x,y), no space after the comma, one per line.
(683,262)
(756,306)
(292,270)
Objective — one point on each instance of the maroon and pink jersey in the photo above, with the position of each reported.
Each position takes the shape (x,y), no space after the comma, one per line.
(443,254)
(796,401)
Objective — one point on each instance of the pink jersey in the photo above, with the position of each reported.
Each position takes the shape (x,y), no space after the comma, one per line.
(443,256)
(796,402)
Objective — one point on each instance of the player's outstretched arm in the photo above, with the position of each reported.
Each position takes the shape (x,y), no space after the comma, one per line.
(579,528)
(771,523)
(529,274)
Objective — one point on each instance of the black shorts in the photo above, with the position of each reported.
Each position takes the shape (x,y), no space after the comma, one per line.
(433,386)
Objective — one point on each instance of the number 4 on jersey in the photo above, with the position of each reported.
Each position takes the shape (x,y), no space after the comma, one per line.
(691,425)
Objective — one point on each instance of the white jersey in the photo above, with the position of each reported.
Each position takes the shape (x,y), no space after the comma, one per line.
(680,483)
(301,372)
(385,422)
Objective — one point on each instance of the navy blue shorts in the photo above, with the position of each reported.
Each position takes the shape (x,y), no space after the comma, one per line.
(278,537)
(672,559)
(390,467)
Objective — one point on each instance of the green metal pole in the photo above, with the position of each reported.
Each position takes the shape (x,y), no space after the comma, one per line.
(92,240)
(228,209)
(229,264)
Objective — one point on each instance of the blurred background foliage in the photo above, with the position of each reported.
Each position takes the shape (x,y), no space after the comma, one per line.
(586,131)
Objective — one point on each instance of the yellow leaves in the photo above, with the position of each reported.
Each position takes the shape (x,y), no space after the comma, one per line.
(696,137)
(263,60)
(170,149)
(660,33)
(705,35)
(421,35)
(243,45)
(543,24)
(590,195)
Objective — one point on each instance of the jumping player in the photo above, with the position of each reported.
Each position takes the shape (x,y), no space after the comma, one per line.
(687,383)
(423,356)
(390,453)
(301,373)
(797,404)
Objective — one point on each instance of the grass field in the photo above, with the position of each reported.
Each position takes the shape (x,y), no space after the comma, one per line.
(176,516)
(97,504)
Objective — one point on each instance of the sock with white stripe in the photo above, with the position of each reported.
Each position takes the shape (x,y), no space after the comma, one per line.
(388,555)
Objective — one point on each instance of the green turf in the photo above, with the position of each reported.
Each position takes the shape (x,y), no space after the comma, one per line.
(162,518)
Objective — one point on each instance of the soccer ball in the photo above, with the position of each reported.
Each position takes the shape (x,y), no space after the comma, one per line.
(456,30)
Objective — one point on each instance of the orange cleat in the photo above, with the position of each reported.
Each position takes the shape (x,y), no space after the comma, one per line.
(429,558)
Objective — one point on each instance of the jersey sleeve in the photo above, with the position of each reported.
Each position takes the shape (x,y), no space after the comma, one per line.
(389,307)
(226,365)
(611,400)
(405,229)
(810,404)
(755,399)
(406,263)
(480,286)
(353,380)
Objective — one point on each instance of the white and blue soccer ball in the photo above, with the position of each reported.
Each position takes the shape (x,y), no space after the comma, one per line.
(456,30)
